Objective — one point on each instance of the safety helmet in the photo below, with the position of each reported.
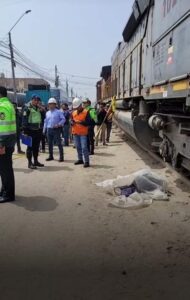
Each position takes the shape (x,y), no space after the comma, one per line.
(52,101)
(76,103)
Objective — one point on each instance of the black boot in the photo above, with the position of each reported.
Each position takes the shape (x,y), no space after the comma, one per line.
(38,164)
(79,162)
(86,165)
(61,159)
(49,158)
(31,166)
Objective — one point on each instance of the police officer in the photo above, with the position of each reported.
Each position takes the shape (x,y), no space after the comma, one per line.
(7,143)
(32,126)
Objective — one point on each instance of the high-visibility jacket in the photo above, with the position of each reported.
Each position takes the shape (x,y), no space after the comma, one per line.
(7,120)
(93,114)
(32,118)
(79,129)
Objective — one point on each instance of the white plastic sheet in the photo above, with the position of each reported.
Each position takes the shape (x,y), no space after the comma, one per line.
(149,187)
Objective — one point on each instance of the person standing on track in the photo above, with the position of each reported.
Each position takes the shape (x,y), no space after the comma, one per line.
(32,126)
(7,143)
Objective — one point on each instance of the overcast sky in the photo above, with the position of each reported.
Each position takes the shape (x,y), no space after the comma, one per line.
(77,35)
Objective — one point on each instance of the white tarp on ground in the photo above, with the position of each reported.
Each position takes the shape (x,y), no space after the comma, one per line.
(149,186)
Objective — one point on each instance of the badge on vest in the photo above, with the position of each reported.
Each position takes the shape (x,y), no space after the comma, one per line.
(2,116)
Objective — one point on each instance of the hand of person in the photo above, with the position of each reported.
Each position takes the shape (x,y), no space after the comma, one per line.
(2,150)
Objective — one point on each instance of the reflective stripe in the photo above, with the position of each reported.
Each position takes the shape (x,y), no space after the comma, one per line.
(7,133)
(7,123)
(7,128)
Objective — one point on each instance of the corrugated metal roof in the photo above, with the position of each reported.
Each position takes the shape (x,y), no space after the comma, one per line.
(22,83)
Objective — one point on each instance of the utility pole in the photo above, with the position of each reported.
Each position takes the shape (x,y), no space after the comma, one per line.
(56,78)
(67,88)
(13,67)
(72,93)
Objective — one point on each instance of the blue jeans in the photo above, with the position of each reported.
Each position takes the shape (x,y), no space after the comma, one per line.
(82,148)
(54,136)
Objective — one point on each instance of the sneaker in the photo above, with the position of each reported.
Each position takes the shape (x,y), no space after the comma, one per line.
(49,158)
(79,162)
(86,165)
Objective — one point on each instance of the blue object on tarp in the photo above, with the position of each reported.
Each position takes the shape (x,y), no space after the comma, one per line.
(26,140)
(125,190)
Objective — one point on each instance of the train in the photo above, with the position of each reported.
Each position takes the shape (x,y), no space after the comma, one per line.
(21,98)
(42,92)
(150,79)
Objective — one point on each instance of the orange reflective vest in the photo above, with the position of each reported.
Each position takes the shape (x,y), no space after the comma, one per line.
(79,117)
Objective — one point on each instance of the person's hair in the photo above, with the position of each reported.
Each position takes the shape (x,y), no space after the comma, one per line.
(102,104)
(89,102)
(65,104)
(3,91)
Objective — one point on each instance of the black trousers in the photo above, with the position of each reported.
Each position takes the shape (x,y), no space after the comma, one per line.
(90,142)
(7,174)
(43,141)
(109,128)
(18,139)
(34,150)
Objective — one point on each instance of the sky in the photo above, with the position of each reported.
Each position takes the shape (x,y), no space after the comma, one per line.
(79,36)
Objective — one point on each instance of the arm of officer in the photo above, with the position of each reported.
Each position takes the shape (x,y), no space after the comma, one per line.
(25,116)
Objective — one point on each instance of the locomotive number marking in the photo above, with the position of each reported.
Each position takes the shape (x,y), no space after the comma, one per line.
(167,6)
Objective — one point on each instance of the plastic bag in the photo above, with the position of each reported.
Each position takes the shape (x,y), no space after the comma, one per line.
(134,201)
(149,186)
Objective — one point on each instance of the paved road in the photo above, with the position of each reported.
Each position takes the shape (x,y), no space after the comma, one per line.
(61,240)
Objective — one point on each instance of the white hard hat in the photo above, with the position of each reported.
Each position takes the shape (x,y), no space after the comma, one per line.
(77,102)
(52,101)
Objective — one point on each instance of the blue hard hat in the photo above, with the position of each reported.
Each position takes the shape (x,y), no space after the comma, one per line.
(35,96)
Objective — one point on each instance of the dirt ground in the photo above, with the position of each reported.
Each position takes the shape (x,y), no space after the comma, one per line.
(61,240)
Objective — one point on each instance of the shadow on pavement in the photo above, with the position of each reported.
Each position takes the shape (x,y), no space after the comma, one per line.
(22,170)
(45,169)
(104,154)
(54,169)
(69,161)
(115,142)
(101,167)
(114,145)
(37,203)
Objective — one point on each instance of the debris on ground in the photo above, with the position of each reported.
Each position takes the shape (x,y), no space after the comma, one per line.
(136,190)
